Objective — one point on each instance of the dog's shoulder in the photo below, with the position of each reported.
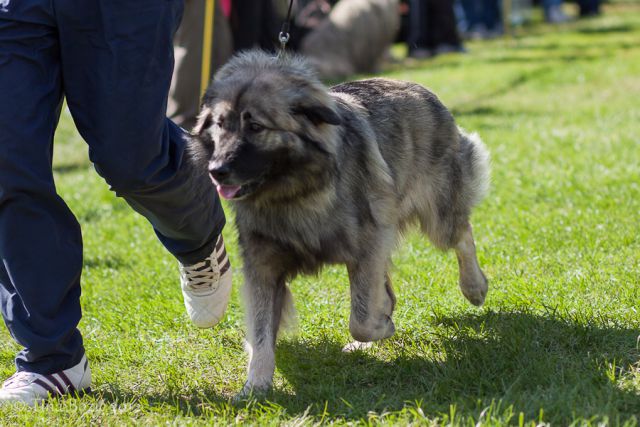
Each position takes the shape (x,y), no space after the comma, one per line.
(378,87)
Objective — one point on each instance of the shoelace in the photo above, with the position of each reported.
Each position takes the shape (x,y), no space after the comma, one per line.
(200,276)
(19,379)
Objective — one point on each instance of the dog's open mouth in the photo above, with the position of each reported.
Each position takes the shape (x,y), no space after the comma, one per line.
(228,191)
(235,192)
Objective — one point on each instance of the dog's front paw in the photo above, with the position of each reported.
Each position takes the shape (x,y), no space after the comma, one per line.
(356,345)
(474,287)
(250,391)
(371,330)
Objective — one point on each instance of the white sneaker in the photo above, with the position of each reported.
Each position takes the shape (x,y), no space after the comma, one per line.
(206,287)
(31,388)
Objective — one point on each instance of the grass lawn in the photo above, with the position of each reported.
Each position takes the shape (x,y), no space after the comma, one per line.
(559,238)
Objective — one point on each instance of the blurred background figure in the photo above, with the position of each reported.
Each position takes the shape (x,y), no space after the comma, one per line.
(553,12)
(482,18)
(432,28)
(184,95)
(255,23)
(520,12)
(589,8)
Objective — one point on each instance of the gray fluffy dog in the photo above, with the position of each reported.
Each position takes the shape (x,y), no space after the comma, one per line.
(320,176)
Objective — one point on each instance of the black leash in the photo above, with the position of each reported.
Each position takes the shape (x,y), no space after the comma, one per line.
(284,31)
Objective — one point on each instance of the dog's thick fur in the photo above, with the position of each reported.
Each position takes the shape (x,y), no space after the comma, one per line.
(321,176)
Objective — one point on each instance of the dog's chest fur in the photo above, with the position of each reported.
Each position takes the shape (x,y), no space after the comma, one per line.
(305,238)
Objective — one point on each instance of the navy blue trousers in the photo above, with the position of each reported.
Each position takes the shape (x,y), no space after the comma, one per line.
(112,60)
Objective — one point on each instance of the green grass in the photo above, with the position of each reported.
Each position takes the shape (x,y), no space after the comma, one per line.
(558,236)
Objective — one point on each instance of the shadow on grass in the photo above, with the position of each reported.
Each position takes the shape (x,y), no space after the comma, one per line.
(570,51)
(490,111)
(612,29)
(111,262)
(69,168)
(567,366)
(557,60)
(526,360)
(509,86)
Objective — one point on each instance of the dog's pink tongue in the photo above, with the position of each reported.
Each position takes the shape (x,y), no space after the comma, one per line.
(228,191)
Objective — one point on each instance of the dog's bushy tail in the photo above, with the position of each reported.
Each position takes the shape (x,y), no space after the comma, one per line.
(476,167)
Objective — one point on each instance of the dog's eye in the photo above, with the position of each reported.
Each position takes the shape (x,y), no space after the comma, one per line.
(255,127)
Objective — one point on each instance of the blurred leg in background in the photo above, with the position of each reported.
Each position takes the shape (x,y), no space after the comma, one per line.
(553,12)
(432,28)
(589,8)
(482,18)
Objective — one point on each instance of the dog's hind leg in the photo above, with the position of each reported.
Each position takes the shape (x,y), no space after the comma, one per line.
(268,299)
(454,232)
(473,283)
(445,217)
(372,298)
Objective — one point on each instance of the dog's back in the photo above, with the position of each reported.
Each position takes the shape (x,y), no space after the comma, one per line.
(435,167)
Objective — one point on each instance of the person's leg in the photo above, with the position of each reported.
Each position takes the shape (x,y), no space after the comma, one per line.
(553,11)
(589,7)
(432,25)
(445,32)
(117,60)
(471,15)
(40,241)
(417,39)
(491,16)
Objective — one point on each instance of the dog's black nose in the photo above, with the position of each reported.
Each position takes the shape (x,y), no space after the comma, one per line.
(219,173)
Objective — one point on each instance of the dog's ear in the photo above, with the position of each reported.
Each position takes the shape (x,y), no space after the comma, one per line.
(205,117)
(318,114)
(313,101)
(203,122)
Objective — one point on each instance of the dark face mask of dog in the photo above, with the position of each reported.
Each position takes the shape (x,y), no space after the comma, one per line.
(232,141)
(246,155)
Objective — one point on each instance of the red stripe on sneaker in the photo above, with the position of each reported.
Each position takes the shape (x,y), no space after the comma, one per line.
(53,380)
(225,267)
(68,383)
(44,385)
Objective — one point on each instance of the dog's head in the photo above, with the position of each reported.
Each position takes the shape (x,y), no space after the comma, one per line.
(265,124)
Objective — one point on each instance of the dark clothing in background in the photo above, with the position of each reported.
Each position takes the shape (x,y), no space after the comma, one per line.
(432,24)
(254,23)
(482,13)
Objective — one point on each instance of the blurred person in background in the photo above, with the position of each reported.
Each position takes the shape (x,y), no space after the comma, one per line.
(589,8)
(432,29)
(553,12)
(482,18)
(255,23)
(184,95)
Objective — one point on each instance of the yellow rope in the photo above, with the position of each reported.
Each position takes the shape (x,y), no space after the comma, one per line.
(207,42)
